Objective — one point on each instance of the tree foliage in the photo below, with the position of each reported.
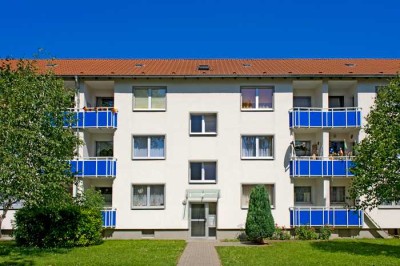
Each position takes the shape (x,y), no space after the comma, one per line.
(34,145)
(377,164)
(260,222)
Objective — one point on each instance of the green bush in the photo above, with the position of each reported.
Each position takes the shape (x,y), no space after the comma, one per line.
(324,232)
(259,221)
(305,233)
(281,234)
(65,226)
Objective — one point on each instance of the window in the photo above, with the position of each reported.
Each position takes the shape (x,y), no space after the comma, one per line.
(104,149)
(106,192)
(336,101)
(257,98)
(203,172)
(390,204)
(302,194)
(337,195)
(257,147)
(336,146)
(149,98)
(148,196)
(302,148)
(149,147)
(104,102)
(301,101)
(203,124)
(246,190)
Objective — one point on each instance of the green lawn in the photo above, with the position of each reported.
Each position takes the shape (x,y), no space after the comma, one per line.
(335,252)
(111,252)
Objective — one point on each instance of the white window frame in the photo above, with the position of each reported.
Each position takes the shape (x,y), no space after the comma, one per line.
(203,124)
(303,202)
(203,180)
(148,157)
(148,197)
(242,206)
(257,157)
(149,108)
(257,101)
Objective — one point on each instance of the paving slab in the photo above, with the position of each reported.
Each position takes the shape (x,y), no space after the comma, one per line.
(200,253)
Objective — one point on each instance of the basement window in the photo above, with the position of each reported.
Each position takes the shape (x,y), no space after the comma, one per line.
(203,67)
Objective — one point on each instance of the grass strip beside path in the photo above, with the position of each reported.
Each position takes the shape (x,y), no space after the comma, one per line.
(111,252)
(334,252)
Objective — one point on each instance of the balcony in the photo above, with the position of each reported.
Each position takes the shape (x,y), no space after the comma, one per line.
(349,117)
(109,217)
(321,166)
(99,117)
(321,216)
(94,167)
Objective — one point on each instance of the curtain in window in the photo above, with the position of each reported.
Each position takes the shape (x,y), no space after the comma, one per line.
(141,98)
(248,98)
(157,147)
(303,194)
(140,195)
(246,190)
(158,98)
(248,146)
(210,171)
(337,194)
(211,123)
(265,97)
(265,149)
(104,148)
(156,195)
(140,147)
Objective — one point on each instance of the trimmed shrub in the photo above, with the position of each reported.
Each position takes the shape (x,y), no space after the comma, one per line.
(65,226)
(305,233)
(259,222)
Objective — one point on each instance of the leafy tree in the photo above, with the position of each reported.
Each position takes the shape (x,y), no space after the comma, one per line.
(377,164)
(34,145)
(260,222)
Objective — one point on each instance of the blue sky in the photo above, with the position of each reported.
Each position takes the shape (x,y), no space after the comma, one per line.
(201,28)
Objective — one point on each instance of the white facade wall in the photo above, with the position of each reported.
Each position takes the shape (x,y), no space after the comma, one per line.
(220,96)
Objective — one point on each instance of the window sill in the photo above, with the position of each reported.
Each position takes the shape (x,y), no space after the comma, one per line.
(149,110)
(257,109)
(148,208)
(386,207)
(202,182)
(246,208)
(211,134)
(258,158)
(147,158)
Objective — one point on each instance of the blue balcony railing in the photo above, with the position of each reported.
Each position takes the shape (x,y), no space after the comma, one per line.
(321,216)
(109,217)
(325,118)
(100,117)
(321,166)
(94,167)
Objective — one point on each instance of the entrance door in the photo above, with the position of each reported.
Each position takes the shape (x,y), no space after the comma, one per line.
(203,219)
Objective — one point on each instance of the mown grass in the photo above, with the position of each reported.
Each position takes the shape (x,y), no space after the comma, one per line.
(335,252)
(111,252)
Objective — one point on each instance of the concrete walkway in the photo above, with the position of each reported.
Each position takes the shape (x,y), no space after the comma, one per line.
(200,253)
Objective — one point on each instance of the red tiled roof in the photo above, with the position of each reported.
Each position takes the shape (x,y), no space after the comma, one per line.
(223,67)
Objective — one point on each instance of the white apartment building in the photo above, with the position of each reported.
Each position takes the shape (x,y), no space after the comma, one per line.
(175,146)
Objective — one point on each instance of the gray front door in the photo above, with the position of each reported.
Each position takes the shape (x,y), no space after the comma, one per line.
(203,219)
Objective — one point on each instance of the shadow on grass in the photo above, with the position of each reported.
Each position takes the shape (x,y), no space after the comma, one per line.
(358,248)
(11,254)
